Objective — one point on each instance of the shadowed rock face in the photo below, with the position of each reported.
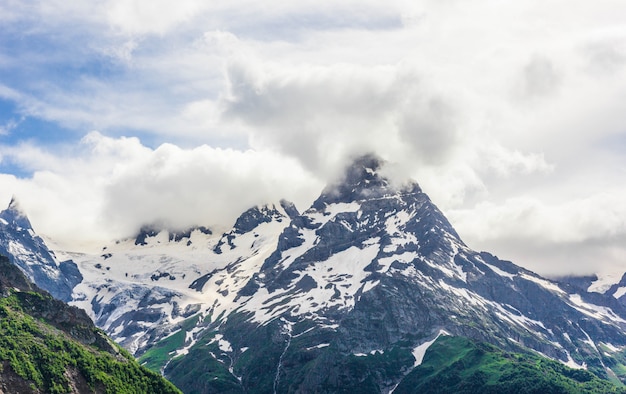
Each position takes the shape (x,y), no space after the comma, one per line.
(615,288)
(12,278)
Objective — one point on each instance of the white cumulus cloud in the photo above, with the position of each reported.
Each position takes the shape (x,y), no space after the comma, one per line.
(510,115)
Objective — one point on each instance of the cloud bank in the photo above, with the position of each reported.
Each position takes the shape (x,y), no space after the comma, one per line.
(511,117)
(107,188)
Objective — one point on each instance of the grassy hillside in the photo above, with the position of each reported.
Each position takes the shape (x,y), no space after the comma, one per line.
(450,365)
(458,365)
(47,346)
(37,355)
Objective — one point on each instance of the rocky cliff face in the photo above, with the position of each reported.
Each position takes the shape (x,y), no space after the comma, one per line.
(28,251)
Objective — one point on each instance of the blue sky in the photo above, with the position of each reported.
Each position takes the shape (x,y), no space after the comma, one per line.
(117,113)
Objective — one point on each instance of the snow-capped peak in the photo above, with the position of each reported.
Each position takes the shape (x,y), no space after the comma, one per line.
(15,215)
(30,253)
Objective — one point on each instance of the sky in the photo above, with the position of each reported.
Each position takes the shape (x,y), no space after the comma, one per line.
(510,115)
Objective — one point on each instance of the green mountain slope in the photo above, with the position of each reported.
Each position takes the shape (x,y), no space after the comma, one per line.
(47,346)
(458,365)
(451,365)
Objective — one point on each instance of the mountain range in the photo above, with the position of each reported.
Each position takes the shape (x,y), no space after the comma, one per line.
(364,290)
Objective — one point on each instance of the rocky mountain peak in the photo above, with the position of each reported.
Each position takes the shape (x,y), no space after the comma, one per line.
(254,216)
(361,180)
(153,230)
(363,168)
(15,216)
(30,254)
(290,208)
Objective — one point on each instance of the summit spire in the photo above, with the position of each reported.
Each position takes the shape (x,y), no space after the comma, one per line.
(15,215)
(361,180)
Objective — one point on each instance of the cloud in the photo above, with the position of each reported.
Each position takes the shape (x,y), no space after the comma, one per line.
(9,126)
(493,158)
(155,17)
(550,239)
(500,111)
(324,115)
(320,115)
(109,187)
(539,78)
(427,124)
(202,186)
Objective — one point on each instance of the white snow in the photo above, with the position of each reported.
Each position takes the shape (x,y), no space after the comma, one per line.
(573,364)
(330,211)
(544,283)
(595,311)
(420,350)
(405,257)
(290,255)
(520,320)
(472,297)
(224,345)
(496,269)
(589,341)
(128,273)
(320,346)
(338,280)
(369,285)
(395,223)
(605,281)
(190,340)
(619,292)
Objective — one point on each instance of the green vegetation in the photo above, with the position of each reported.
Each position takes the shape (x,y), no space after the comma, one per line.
(157,356)
(616,361)
(202,373)
(458,365)
(51,361)
(204,370)
(451,365)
